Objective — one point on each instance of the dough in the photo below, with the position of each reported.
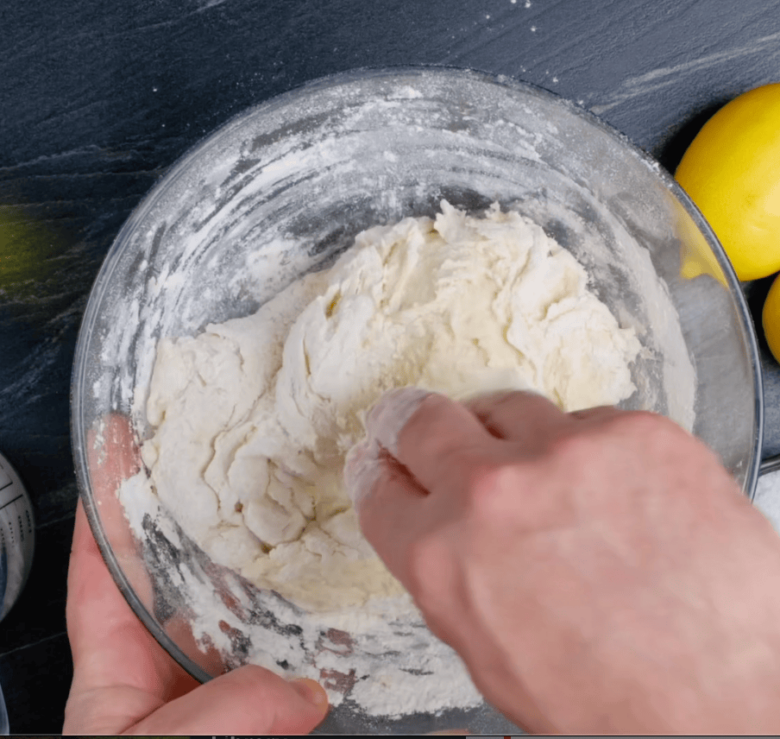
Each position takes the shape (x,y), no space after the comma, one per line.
(253,417)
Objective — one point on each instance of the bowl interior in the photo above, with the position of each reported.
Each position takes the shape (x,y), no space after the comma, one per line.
(283,189)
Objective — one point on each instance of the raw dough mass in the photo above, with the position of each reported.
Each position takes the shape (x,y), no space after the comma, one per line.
(253,417)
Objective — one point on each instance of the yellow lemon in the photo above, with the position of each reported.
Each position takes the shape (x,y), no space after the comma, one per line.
(731,171)
(770,317)
(27,254)
(696,255)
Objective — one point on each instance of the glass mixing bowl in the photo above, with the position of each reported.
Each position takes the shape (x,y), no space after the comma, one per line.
(281,190)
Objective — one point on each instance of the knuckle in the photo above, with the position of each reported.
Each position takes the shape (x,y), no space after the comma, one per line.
(645,423)
(571,450)
(654,434)
(638,430)
(632,440)
(488,486)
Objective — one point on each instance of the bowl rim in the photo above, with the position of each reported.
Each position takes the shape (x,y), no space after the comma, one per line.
(181,165)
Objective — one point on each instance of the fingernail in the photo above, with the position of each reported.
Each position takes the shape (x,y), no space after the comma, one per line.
(388,417)
(362,469)
(312,692)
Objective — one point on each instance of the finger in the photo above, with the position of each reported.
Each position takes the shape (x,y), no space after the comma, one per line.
(436,439)
(525,418)
(362,469)
(103,630)
(113,456)
(249,700)
(387,500)
(93,598)
(597,414)
(392,412)
(112,453)
(365,464)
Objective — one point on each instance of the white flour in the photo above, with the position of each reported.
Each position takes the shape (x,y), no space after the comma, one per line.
(253,417)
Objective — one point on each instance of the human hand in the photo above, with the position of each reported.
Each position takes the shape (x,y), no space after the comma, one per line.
(598,571)
(125,682)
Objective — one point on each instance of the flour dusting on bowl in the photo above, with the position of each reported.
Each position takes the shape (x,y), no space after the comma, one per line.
(282,192)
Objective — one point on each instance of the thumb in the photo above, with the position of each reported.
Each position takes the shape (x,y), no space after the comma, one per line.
(248,700)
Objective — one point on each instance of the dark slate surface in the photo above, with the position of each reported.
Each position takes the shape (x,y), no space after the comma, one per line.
(98,99)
